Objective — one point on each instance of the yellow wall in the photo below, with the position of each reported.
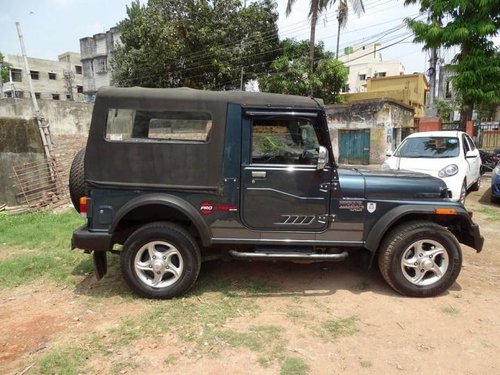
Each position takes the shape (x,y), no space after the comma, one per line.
(410,89)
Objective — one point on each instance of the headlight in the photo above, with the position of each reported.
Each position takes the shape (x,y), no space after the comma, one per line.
(449,170)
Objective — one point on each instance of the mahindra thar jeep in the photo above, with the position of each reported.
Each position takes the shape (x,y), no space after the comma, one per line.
(170,177)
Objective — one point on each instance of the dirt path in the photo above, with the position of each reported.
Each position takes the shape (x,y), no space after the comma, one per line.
(321,319)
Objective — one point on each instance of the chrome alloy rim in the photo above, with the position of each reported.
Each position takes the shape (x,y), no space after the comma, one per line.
(424,262)
(158,264)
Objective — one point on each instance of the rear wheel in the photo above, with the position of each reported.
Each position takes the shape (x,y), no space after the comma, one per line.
(476,185)
(160,260)
(420,259)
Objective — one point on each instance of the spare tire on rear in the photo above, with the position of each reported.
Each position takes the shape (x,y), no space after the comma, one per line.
(77,185)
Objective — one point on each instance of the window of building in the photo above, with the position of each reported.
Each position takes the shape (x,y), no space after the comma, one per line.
(17,75)
(102,65)
(150,126)
(38,95)
(79,89)
(362,77)
(68,97)
(52,76)
(34,74)
(78,69)
(19,94)
(55,97)
(448,89)
(380,74)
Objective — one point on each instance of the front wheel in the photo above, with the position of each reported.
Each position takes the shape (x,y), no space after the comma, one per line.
(420,259)
(160,260)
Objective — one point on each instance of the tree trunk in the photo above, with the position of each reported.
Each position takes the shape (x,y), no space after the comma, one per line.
(338,40)
(312,39)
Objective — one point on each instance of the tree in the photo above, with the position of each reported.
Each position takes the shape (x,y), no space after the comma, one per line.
(316,7)
(5,66)
(470,25)
(289,73)
(195,43)
(342,17)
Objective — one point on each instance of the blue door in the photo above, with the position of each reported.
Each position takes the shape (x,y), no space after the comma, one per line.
(354,146)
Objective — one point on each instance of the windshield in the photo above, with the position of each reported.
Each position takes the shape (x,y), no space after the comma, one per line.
(428,147)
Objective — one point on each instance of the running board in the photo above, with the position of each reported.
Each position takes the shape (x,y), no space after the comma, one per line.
(275,255)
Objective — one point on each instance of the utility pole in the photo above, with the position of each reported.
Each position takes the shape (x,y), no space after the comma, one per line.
(43,126)
(430,109)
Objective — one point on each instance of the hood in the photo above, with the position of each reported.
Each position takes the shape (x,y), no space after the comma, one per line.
(402,185)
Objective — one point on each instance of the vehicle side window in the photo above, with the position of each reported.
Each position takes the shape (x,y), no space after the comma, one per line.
(136,125)
(471,143)
(281,140)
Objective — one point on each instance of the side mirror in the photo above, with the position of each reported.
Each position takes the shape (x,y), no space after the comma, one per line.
(322,158)
(388,154)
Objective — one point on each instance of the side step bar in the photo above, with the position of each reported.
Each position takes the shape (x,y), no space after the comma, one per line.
(272,255)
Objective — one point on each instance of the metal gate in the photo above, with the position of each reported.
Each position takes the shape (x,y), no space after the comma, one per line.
(488,135)
(354,146)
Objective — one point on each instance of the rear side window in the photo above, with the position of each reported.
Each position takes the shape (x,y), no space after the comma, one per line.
(150,126)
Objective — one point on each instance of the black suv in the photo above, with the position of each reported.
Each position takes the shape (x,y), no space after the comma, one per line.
(172,176)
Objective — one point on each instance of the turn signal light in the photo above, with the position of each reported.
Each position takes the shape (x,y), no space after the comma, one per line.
(445,211)
(83,207)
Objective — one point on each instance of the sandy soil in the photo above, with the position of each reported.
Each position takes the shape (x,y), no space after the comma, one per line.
(458,332)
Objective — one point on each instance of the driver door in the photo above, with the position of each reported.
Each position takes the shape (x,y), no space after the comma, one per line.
(282,187)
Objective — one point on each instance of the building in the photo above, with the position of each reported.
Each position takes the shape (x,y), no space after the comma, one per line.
(365,62)
(410,89)
(363,131)
(96,53)
(52,80)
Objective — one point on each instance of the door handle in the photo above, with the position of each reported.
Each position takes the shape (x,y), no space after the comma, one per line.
(259,174)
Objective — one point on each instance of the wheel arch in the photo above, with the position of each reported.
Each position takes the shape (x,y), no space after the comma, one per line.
(459,224)
(160,207)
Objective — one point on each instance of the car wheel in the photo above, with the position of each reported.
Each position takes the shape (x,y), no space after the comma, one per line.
(476,185)
(160,260)
(420,259)
(495,199)
(463,193)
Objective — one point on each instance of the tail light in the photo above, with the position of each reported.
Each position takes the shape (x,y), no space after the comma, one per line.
(83,207)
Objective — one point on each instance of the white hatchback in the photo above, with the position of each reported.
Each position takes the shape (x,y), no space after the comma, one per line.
(449,155)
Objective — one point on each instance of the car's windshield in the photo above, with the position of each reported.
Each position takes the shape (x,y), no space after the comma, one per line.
(429,147)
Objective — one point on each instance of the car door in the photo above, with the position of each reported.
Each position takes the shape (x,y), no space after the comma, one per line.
(282,188)
(472,158)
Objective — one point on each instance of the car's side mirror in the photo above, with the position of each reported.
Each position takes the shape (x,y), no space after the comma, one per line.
(322,158)
(388,154)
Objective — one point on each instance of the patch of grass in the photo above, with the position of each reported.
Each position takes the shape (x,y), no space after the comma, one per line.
(450,310)
(333,329)
(295,313)
(170,360)
(50,234)
(123,365)
(365,363)
(62,361)
(294,366)
(492,214)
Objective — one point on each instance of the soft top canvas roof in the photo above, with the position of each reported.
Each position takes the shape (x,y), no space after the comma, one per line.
(245,99)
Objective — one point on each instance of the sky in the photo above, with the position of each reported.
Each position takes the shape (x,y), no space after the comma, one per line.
(52,27)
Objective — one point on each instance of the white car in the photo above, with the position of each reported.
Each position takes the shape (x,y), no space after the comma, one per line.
(449,155)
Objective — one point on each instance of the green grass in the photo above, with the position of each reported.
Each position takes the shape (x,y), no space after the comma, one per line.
(492,214)
(365,363)
(50,234)
(61,362)
(450,310)
(333,329)
(294,366)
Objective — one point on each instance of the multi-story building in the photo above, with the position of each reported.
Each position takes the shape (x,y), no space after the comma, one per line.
(53,80)
(96,53)
(364,62)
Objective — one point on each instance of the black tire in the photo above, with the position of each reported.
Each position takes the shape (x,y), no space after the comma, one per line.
(495,200)
(175,267)
(77,186)
(404,241)
(476,185)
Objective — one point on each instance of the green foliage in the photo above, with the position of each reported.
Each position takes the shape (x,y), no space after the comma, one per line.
(335,328)
(195,43)
(444,109)
(294,366)
(289,73)
(469,25)
(5,68)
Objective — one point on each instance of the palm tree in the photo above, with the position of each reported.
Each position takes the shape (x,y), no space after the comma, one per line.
(342,14)
(315,10)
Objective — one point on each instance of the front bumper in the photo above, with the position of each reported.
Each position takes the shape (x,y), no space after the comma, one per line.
(91,241)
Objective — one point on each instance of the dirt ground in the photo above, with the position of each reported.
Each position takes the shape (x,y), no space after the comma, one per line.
(458,332)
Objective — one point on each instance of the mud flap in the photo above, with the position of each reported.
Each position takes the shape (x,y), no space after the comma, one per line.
(100,264)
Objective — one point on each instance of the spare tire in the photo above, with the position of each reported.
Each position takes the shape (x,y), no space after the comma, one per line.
(77,185)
